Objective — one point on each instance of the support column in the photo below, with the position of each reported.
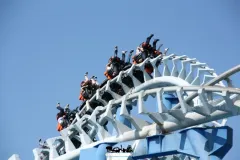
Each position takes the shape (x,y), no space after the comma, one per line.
(169,100)
(122,119)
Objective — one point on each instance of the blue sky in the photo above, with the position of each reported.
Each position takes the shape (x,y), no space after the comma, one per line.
(47,46)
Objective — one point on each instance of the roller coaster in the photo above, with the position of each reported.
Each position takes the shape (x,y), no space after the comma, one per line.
(179,112)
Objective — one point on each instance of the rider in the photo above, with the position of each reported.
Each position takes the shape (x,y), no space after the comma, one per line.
(126,63)
(146,45)
(146,50)
(139,56)
(43,144)
(61,117)
(114,65)
(88,87)
(72,115)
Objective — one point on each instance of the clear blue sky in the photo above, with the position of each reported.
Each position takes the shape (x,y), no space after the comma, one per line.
(47,46)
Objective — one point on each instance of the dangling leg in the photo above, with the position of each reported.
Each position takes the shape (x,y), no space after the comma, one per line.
(159,47)
(149,38)
(146,45)
(153,49)
(155,43)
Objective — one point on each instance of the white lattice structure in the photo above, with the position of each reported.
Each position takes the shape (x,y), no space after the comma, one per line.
(202,96)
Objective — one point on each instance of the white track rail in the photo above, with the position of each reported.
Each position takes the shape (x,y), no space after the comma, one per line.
(179,75)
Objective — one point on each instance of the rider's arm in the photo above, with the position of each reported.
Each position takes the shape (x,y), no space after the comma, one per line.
(130,55)
(116,51)
(60,108)
(86,77)
(123,55)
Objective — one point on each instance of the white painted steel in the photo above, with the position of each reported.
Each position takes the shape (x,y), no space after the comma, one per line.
(186,79)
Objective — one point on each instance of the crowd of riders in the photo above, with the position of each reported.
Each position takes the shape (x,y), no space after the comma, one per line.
(114,66)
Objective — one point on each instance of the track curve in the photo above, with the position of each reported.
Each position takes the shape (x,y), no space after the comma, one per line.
(179,75)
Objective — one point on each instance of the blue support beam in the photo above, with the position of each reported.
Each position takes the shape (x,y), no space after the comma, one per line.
(122,119)
(96,153)
(202,143)
(170,100)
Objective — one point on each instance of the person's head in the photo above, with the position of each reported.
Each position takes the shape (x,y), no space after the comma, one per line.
(82,83)
(59,115)
(110,59)
(145,45)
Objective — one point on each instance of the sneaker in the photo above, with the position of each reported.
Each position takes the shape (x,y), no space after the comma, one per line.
(151,35)
(155,40)
(124,52)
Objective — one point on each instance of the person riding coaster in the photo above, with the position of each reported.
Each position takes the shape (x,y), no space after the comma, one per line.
(72,114)
(88,87)
(62,117)
(115,64)
(145,51)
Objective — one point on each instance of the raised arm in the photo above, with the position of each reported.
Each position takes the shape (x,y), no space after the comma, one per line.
(130,55)
(116,51)
(60,108)
(123,55)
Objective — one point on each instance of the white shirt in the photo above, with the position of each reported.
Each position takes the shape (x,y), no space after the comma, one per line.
(138,50)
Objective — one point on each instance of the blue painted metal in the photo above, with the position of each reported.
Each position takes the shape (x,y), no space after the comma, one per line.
(88,154)
(121,118)
(96,153)
(101,152)
(202,143)
(169,100)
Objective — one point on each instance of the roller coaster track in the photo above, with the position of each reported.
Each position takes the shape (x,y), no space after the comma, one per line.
(203,97)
